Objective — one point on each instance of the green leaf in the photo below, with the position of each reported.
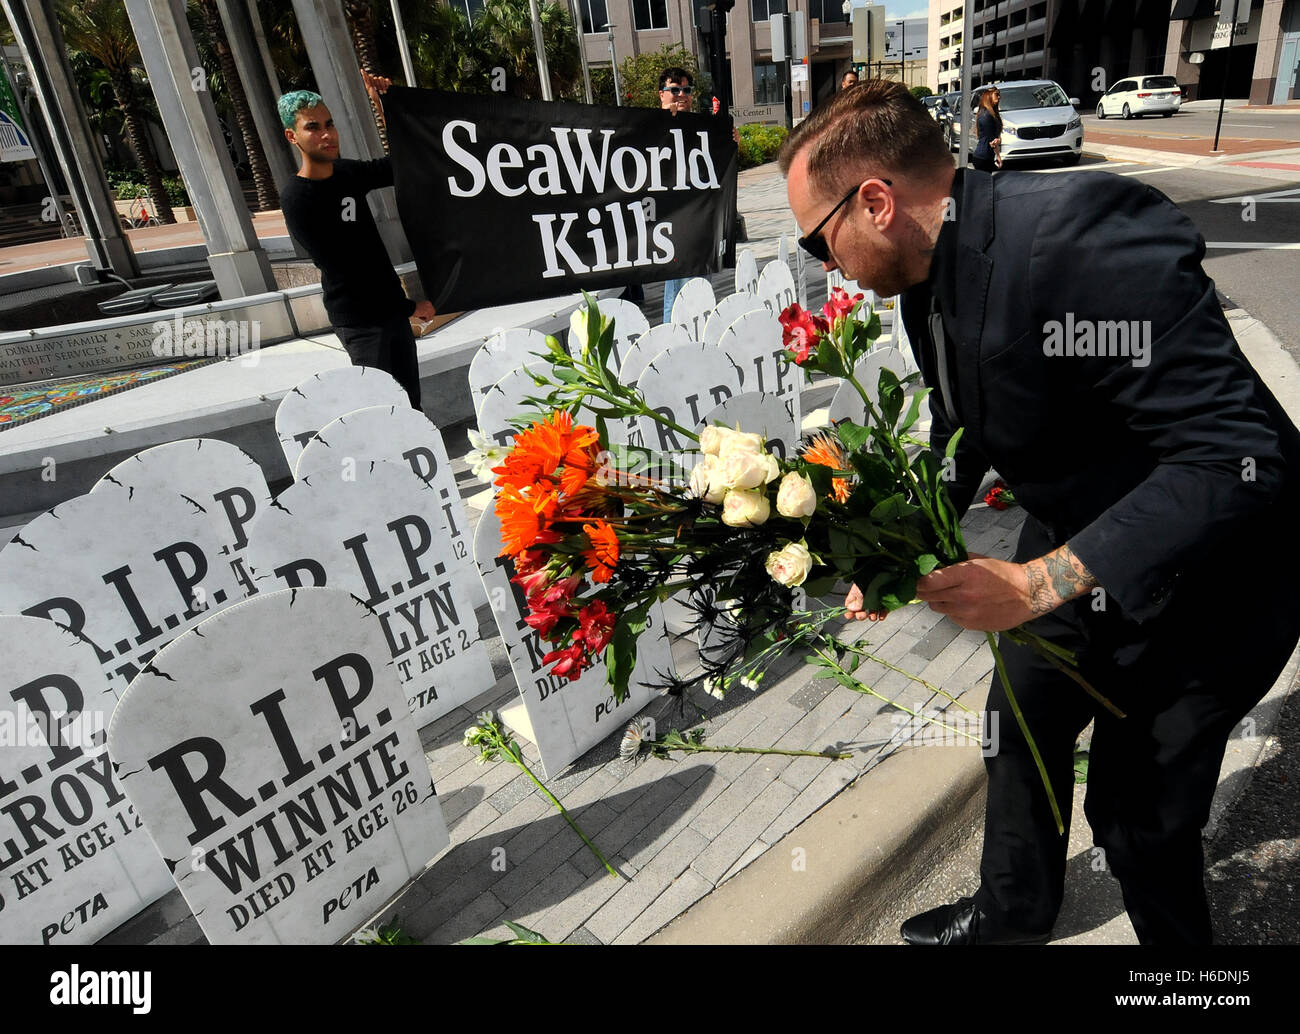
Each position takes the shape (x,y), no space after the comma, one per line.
(926,563)
(568,376)
(901,594)
(952,443)
(871,594)
(1081,759)
(895,508)
(891,396)
(620,658)
(852,436)
(913,411)
(525,934)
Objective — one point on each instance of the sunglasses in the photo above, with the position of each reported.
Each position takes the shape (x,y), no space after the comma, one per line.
(678,90)
(814,243)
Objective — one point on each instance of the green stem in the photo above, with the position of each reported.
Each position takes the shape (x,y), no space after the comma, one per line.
(1050,653)
(862,687)
(702,748)
(518,760)
(915,678)
(1024,729)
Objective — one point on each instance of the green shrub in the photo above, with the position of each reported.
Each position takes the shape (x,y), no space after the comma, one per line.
(922,91)
(759,144)
(128,191)
(175,188)
(638,77)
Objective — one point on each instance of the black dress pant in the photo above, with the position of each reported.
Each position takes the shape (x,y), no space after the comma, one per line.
(1152,774)
(389,347)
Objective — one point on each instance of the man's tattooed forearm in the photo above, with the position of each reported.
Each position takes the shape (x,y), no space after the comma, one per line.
(1055,578)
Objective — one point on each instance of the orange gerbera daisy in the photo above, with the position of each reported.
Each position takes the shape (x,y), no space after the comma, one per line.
(825,451)
(602,557)
(525,517)
(539,452)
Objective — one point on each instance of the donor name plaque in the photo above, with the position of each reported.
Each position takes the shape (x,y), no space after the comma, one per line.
(274,763)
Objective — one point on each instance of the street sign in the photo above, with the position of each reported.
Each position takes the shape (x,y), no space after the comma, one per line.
(777,25)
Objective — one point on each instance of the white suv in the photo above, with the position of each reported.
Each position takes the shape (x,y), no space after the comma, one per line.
(1142,95)
(1038,120)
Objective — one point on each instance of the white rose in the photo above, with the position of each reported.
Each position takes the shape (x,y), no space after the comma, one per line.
(706,481)
(711,440)
(738,441)
(791,565)
(795,496)
(747,469)
(745,508)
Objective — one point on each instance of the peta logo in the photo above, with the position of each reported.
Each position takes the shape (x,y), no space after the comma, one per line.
(125,987)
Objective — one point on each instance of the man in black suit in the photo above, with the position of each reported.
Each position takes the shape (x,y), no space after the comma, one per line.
(1066,323)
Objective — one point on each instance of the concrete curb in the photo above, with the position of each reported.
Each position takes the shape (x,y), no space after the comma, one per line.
(861,849)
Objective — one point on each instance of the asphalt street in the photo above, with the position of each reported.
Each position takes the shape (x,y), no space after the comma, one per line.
(1250,222)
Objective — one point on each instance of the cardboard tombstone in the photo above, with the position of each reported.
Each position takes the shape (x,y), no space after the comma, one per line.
(761,413)
(294,804)
(630,323)
(375,529)
(783,250)
(324,396)
(76,862)
(649,345)
(504,402)
(847,404)
(565,719)
(683,384)
(746,273)
(129,571)
(692,307)
(402,435)
(502,353)
(730,309)
(227,481)
(776,287)
(754,342)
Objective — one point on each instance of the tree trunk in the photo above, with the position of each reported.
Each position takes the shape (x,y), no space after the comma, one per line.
(137,136)
(268,197)
(361,24)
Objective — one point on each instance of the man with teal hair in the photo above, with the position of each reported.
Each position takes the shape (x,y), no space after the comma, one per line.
(325,211)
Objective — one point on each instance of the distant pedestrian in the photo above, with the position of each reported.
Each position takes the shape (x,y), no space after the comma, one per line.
(676,88)
(849,78)
(987,155)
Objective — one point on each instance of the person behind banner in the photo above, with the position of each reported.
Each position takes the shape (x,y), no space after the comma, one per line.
(325,211)
(676,88)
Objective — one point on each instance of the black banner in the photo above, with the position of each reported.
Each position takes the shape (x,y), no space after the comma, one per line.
(505,200)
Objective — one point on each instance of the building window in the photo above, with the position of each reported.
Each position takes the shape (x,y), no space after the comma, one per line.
(594,15)
(827,11)
(769,83)
(765,10)
(650,14)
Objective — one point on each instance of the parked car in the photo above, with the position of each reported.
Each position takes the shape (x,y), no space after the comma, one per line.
(933,104)
(1038,121)
(1140,95)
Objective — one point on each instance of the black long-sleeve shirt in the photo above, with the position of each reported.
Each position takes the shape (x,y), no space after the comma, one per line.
(330,218)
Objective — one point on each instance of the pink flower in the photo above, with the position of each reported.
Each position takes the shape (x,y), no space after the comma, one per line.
(596,625)
(568,662)
(839,305)
(801,332)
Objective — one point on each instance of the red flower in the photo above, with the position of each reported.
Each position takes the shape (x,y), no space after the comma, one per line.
(1000,496)
(840,305)
(533,582)
(801,332)
(596,625)
(569,661)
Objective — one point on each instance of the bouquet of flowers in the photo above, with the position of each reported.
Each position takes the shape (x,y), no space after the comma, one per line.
(598,533)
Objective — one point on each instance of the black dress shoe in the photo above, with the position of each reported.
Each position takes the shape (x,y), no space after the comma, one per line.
(963,923)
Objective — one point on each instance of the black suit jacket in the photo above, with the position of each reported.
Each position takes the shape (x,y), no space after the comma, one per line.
(1174,480)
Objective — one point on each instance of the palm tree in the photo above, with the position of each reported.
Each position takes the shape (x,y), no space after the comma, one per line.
(506,28)
(102,29)
(361,24)
(268,197)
